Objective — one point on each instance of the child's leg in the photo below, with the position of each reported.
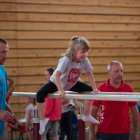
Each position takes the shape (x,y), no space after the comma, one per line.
(54,130)
(41,94)
(43,136)
(81,87)
(44,139)
(56,138)
(87,117)
(43,120)
(88,105)
(29,135)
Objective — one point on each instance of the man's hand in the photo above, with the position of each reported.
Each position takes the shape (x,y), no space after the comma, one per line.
(16,122)
(6,116)
(92,136)
(135,137)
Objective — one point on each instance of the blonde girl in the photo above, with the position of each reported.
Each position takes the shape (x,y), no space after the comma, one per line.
(66,77)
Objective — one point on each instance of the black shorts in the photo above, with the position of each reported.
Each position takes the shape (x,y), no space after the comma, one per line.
(50,87)
(107,136)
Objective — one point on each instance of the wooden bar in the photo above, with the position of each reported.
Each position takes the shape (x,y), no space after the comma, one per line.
(108,96)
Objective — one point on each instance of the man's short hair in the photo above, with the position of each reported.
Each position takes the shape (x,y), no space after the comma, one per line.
(111,63)
(3,41)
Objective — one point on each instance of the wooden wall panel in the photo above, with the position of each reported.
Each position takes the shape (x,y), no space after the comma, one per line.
(93,52)
(5,16)
(45,17)
(11,71)
(12,53)
(29,88)
(12,44)
(7,7)
(15,107)
(34,88)
(8,1)
(121,3)
(50,61)
(68,35)
(49,44)
(76,9)
(28,71)
(8,26)
(71,26)
(99,77)
(14,100)
(11,62)
(8,34)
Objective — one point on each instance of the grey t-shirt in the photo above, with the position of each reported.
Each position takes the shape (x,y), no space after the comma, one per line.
(71,71)
(31,108)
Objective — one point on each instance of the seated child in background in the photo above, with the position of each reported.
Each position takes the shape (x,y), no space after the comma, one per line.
(29,115)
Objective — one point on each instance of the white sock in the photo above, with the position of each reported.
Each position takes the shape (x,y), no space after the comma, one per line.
(90,119)
(42,125)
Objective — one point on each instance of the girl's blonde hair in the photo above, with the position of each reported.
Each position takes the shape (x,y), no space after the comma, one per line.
(75,45)
(11,86)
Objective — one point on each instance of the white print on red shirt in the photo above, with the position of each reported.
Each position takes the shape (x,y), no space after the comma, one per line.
(102,115)
(74,75)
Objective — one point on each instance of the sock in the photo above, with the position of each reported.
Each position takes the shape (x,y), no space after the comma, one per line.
(90,119)
(42,125)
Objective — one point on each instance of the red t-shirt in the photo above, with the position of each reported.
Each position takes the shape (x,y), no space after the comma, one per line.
(114,116)
(53,109)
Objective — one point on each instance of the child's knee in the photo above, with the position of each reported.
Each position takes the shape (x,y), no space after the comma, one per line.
(39,97)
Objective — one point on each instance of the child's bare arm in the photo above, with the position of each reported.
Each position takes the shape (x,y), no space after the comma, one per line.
(27,119)
(91,81)
(65,101)
(58,84)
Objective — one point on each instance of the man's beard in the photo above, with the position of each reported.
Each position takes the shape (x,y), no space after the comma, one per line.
(2,61)
(117,81)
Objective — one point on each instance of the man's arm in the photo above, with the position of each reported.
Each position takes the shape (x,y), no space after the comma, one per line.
(6,116)
(94,111)
(15,119)
(8,109)
(135,120)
